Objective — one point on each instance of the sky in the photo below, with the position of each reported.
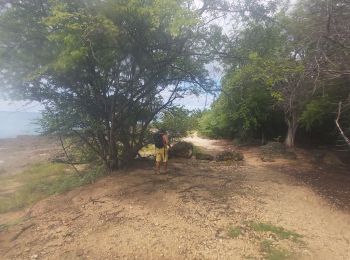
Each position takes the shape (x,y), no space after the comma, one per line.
(193,102)
(20,106)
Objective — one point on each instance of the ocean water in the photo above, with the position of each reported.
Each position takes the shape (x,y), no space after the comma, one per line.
(13,124)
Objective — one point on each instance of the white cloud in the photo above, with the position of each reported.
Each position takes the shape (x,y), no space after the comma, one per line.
(195,102)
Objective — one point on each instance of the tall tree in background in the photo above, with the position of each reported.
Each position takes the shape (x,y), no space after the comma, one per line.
(300,58)
(245,107)
(177,121)
(102,68)
(265,74)
(324,30)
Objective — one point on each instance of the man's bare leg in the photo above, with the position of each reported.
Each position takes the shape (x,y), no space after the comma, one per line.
(166,167)
(157,167)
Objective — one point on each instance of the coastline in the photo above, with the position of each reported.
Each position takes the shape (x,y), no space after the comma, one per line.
(16,124)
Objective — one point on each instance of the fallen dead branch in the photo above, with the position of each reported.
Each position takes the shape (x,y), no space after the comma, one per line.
(96,201)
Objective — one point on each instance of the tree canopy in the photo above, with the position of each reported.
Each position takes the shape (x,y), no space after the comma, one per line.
(106,69)
(103,69)
(293,64)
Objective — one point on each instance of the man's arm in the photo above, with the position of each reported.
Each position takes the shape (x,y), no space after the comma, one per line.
(166,140)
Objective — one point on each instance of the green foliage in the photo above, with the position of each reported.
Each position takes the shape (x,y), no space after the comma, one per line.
(274,253)
(215,123)
(195,116)
(103,69)
(280,232)
(80,152)
(234,232)
(317,112)
(177,121)
(247,103)
(270,83)
(42,180)
(271,250)
(269,238)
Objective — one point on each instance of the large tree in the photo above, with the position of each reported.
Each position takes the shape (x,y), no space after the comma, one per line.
(266,73)
(103,69)
(323,29)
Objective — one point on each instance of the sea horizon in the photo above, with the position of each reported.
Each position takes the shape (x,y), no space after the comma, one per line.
(17,123)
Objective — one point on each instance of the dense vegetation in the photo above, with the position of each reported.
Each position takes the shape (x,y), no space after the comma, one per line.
(286,73)
(109,71)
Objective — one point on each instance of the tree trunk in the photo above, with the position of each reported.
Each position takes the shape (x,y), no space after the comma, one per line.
(113,162)
(263,138)
(292,129)
(113,157)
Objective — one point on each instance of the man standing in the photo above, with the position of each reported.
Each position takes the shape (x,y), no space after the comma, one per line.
(161,142)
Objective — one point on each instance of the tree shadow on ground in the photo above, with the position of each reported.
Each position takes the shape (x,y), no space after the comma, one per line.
(331,184)
(189,179)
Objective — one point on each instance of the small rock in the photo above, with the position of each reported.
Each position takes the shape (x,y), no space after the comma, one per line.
(182,150)
(228,156)
(204,156)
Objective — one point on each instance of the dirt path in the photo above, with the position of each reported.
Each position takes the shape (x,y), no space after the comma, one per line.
(200,210)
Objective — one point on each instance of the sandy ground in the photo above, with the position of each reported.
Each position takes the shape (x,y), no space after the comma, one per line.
(17,153)
(186,214)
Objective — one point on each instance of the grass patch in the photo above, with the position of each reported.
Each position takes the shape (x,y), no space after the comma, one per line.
(42,180)
(3,227)
(234,232)
(274,253)
(280,232)
(13,222)
(272,240)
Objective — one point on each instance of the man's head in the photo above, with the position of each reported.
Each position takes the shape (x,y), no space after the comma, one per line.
(162,131)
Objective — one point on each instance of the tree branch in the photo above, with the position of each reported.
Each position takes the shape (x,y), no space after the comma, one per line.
(346,139)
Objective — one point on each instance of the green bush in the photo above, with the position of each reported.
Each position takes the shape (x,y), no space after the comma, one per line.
(178,121)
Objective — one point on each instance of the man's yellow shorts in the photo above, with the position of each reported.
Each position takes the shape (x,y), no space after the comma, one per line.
(161,154)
